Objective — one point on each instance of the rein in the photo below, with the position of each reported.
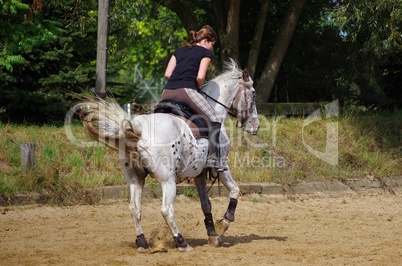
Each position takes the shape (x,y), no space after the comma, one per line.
(218,102)
(230,112)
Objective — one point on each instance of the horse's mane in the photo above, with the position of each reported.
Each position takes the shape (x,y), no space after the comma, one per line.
(231,69)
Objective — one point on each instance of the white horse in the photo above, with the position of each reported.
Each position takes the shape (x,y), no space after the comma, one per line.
(163,146)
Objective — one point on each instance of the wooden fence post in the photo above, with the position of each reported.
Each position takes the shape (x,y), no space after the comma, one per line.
(101,50)
(27,155)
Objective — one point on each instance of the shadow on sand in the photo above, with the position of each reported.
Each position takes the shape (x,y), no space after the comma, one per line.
(229,241)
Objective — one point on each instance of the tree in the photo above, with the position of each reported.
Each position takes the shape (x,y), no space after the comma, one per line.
(142,34)
(49,54)
(374,31)
(312,51)
(46,50)
(227,22)
(375,24)
(257,37)
(265,30)
(278,51)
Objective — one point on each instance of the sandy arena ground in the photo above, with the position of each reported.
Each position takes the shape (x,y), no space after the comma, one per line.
(352,229)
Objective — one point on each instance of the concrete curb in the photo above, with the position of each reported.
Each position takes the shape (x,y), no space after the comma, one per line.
(334,188)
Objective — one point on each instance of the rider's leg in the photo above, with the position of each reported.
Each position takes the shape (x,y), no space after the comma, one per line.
(201,107)
(215,159)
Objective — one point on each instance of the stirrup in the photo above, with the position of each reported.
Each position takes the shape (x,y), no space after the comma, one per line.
(219,165)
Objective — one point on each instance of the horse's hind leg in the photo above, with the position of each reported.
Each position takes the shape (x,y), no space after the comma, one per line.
(223,223)
(168,197)
(135,210)
(136,184)
(200,182)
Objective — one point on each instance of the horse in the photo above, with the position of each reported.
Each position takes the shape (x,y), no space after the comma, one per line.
(164,147)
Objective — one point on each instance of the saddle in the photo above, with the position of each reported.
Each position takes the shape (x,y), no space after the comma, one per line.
(197,124)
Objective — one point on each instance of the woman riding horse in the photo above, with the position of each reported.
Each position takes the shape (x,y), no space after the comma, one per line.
(186,72)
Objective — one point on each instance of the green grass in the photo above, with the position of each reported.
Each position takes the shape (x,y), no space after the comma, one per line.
(191,193)
(368,145)
(59,164)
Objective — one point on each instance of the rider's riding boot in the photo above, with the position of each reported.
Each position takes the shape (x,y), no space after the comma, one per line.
(215,160)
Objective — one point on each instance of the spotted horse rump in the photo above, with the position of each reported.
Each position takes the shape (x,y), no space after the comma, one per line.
(198,125)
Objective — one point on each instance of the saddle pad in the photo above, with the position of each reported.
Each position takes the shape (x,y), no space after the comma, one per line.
(194,128)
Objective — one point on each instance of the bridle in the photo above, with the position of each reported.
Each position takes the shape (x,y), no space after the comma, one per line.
(246,100)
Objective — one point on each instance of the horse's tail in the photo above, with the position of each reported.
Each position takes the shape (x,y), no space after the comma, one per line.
(107,123)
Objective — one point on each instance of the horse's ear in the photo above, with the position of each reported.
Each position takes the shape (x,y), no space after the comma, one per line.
(246,78)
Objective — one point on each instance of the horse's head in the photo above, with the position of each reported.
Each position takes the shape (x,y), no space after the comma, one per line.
(233,92)
(243,106)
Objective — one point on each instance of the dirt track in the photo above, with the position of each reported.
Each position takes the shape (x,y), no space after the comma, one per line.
(303,230)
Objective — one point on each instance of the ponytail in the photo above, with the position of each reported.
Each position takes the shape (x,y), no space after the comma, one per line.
(205,32)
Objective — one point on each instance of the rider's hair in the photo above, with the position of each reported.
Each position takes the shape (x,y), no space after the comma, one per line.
(206,32)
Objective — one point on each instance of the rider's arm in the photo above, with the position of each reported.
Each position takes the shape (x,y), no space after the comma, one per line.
(202,71)
(170,67)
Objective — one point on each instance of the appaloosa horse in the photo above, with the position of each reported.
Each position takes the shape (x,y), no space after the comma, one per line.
(164,147)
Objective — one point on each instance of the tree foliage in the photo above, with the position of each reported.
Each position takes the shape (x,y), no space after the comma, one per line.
(53,51)
(373,30)
(48,55)
(297,50)
(267,27)
(375,24)
(142,35)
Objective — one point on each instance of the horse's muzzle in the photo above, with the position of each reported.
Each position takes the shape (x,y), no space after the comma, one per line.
(252,128)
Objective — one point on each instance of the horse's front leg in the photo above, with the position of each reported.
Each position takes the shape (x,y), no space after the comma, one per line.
(136,185)
(168,197)
(200,182)
(223,223)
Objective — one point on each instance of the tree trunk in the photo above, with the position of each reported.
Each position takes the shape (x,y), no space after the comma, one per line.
(257,37)
(278,52)
(230,40)
(183,11)
(189,21)
(220,14)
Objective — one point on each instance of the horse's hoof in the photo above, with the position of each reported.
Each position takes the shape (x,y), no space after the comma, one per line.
(181,243)
(143,250)
(221,225)
(142,244)
(185,249)
(215,241)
